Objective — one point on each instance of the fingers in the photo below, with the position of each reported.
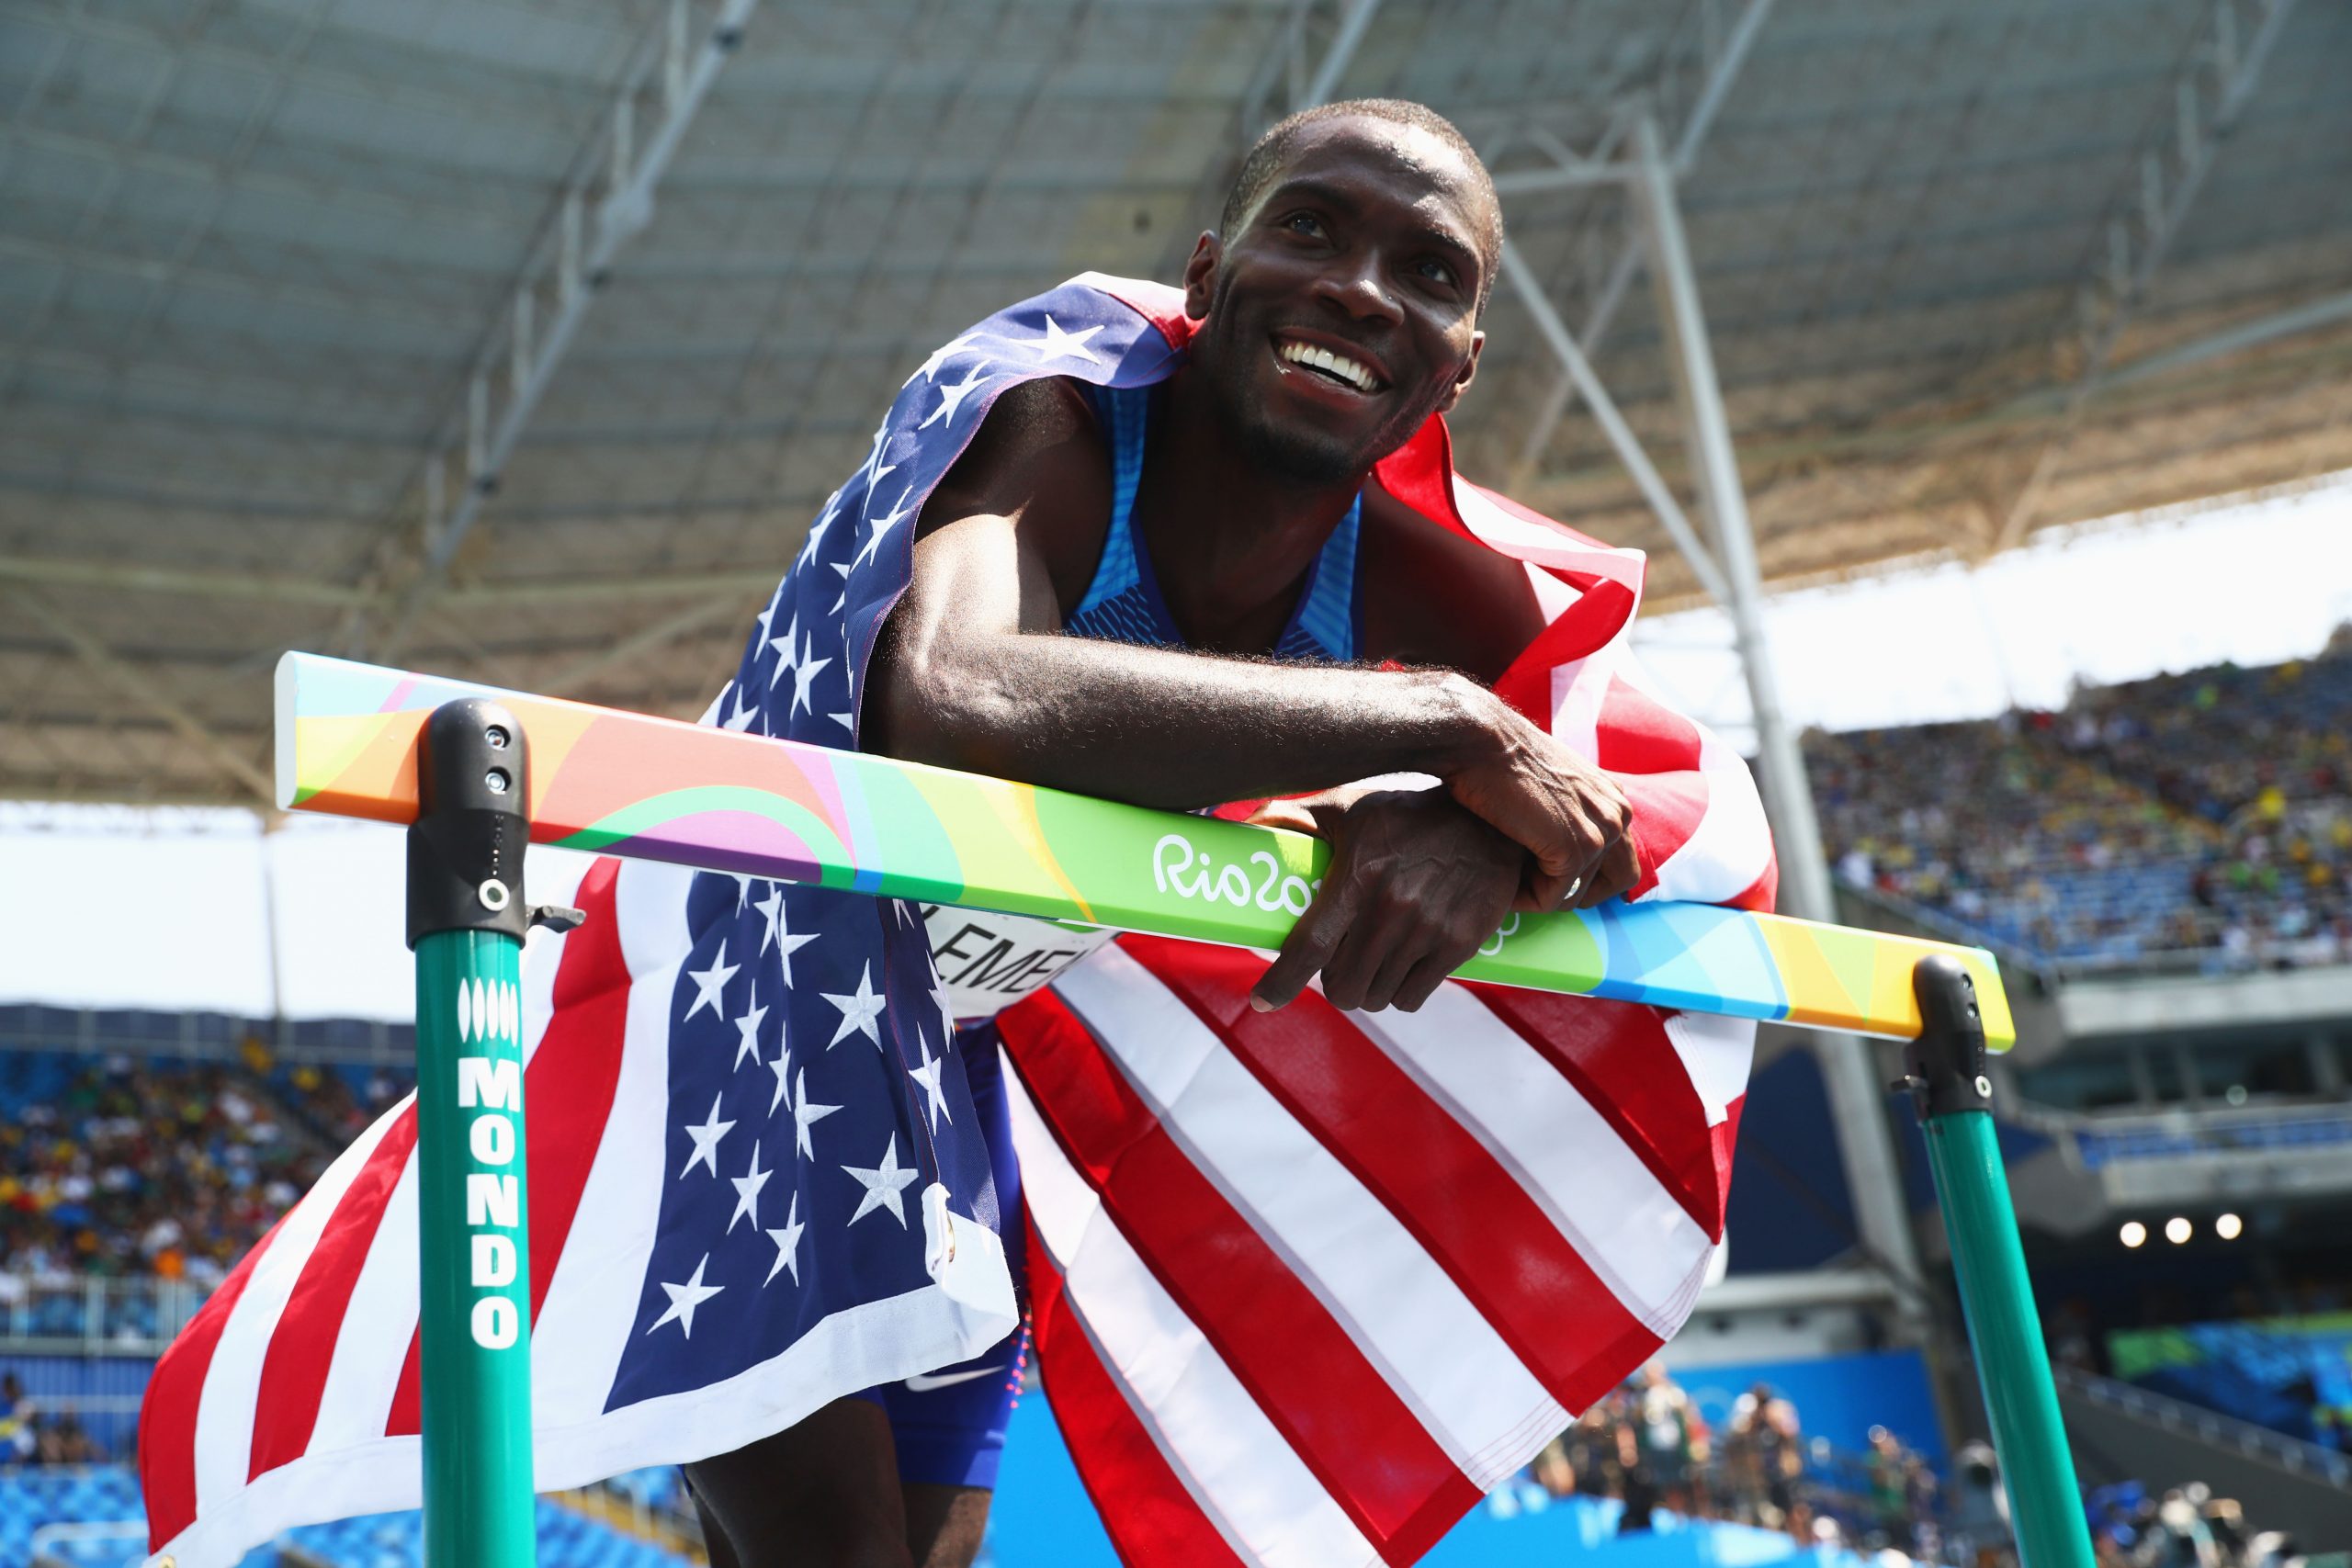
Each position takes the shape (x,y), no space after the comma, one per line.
(1291,814)
(1422,983)
(1308,948)
(1612,875)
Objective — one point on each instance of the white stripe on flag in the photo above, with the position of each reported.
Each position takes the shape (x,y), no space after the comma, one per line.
(1247,1478)
(224,1415)
(1732,844)
(585,1324)
(1716,1052)
(371,1344)
(1433,1346)
(1618,1217)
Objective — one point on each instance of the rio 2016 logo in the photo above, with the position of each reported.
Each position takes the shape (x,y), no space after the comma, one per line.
(1189,872)
(1178,867)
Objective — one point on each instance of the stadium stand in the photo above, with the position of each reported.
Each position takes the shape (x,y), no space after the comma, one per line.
(2201,820)
(33,1503)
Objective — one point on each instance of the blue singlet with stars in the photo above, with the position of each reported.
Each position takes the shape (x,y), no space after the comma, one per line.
(1123,603)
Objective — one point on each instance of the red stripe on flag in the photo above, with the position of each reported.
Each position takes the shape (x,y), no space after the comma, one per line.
(1557,1315)
(1618,1057)
(1145,1509)
(1639,735)
(565,1106)
(167,1411)
(301,1347)
(1335,1409)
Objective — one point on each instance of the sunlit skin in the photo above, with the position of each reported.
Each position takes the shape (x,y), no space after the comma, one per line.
(1366,244)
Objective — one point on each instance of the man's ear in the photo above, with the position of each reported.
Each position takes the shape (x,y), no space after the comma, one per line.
(1199,274)
(1469,369)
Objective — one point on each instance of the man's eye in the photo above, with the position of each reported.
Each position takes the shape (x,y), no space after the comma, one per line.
(1439,272)
(1303,223)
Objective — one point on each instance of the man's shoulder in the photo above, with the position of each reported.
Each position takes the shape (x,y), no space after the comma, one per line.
(1038,440)
(1040,458)
(1432,596)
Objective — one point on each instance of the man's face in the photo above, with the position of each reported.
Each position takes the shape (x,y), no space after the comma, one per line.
(1344,311)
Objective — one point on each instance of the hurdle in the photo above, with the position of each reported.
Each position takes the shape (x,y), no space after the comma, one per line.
(475,773)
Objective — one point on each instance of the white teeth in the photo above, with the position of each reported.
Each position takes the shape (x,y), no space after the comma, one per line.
(1337,364)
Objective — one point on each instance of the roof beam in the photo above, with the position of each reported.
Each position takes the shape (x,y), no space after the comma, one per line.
(604,207)
(1722,62)
(253,587)
(2211,93)
(1621,439)
(141,690)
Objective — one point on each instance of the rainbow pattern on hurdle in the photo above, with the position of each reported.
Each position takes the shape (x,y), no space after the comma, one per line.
(632,785)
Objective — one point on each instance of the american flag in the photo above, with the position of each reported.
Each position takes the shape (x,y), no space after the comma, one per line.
(1303,1284)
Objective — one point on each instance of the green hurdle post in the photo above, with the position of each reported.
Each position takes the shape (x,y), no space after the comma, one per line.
(1954,1100)
(466,919)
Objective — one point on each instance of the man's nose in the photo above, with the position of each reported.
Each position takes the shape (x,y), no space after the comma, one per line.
(1358,288)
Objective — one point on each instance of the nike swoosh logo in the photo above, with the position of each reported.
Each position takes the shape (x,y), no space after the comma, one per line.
(923,1382)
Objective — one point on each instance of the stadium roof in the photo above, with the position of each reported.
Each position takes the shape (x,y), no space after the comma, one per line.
(520,339)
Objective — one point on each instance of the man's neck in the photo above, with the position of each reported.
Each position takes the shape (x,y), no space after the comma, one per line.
(1230,539)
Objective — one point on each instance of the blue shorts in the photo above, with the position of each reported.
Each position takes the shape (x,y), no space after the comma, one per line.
(949,1424)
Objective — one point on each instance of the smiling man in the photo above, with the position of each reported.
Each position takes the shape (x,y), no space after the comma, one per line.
(1187,592)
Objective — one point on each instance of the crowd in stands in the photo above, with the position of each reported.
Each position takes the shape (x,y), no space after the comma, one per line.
(30,1435)
(2187,1526)
(116,1165)
(2205,814)
(1647,1445)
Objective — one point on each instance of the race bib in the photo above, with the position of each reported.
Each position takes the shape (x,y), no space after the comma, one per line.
(989,961)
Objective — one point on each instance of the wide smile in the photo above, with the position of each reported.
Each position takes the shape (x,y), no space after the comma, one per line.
(1321,365)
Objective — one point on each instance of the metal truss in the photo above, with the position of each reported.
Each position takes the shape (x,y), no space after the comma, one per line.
(1703,68)
(139,688)
(1319,41)
(604,205)
(2211,95)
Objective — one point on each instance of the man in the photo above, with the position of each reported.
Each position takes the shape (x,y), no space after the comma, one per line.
(1184,595)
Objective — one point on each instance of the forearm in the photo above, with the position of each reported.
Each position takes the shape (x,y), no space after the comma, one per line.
(1168,728)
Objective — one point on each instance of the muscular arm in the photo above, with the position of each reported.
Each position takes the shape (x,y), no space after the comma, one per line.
(969,674)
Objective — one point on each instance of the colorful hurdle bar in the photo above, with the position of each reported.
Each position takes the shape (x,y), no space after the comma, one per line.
(506,766)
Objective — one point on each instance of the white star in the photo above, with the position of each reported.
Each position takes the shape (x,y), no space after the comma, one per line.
(706,1138)
(775,603)
(859,1009)
(804,1116)
(710,983)
(804,675)
(747,1030)
(881,434)
(928,1077)
(843,720)
(783,646)
(952,393)
(816,539)
(1060,344)
(685,1298)
(882,526)
(782,1068)
(741,719)
(883,1184)
(781,934)
(747,1193)
(744,880)
(930,369)
(946,1008)
(787,1244)
(772,907)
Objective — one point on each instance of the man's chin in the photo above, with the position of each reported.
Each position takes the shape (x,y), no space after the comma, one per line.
(1305,456)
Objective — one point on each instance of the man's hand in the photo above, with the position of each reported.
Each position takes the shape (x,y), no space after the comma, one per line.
(1572,818)
(1416,882)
